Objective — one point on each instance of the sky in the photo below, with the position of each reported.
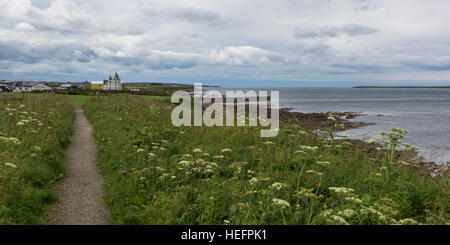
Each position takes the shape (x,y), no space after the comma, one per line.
(251,43)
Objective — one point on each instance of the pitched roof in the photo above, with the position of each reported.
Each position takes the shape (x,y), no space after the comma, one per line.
(116,76)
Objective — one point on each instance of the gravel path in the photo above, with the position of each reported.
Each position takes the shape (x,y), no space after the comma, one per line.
(80,193)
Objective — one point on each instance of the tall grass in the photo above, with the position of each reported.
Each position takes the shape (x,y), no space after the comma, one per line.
(159,174)
(33,136)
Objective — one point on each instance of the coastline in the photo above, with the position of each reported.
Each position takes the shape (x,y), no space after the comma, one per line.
(320,122)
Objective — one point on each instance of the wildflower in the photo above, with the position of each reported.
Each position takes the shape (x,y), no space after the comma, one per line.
(371,141)
(226,222)
(323,163)
(302,132)
(308,193)
(407,222)
(124,172)
(197,150)
(404,163)
(226,150)
(184,163)
(300,152)
(342,190)
(348,213)
(151,155)
(206,154)
(140,150)
(20,123)
(218,157)
(7,164)
(276,186)
(332,119)
(314,172)
(187,156)
(339,219)
(269,143)
(12,140)
(353,200)
(399,130)
(253,181)
(309,148)
(37,148)
(281,203)
(162,148)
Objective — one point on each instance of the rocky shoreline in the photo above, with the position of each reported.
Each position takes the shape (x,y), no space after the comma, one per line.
(320,121)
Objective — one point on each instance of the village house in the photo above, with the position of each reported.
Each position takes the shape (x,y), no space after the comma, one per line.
(69,86)
(113,83)
(30,86)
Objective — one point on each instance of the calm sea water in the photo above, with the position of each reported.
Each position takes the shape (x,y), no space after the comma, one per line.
(425,113)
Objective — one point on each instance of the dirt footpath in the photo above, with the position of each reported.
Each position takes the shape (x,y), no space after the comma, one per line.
(80,193)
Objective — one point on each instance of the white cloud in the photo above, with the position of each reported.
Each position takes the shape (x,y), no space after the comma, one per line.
(23,26)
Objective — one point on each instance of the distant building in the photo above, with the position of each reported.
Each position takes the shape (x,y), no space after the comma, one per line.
(114,83)
(40,87)
(30,86)
(23,86)
(69,86)
(97,85)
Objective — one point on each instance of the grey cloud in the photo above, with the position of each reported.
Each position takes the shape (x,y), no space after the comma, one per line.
(184,14)
(356,68)
(195,15)
(333,31)
(355,30)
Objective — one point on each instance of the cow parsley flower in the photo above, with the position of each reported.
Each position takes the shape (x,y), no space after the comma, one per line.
(226,150)
(309,148)
(10,165)
(253,181)
(276,186)
(281,203)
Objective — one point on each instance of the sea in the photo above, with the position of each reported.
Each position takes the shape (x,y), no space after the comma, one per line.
(424,112)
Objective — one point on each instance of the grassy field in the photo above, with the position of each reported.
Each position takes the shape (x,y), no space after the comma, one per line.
(160,98)
(156,173)
(34,133)
(78,99)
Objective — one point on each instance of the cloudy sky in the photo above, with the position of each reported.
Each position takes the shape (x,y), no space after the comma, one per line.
(230,43)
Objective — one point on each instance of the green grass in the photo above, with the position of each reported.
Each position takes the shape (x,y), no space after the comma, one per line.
(79,99)
(160,98)
(34,134)
(156,173)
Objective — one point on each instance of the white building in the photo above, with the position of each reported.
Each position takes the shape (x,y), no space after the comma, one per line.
(28,87)
(40,87)
(114,83)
